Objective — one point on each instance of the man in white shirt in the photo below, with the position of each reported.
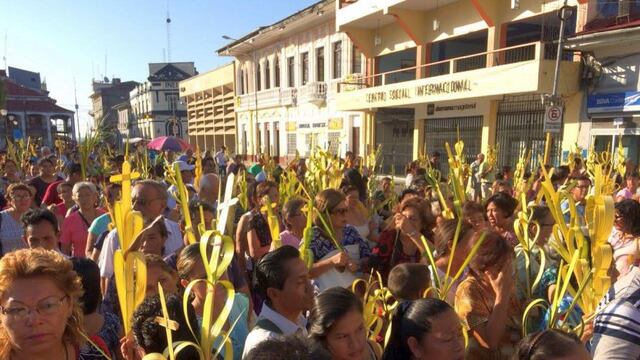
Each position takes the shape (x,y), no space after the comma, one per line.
(283,279)
(150,198)
(221,160)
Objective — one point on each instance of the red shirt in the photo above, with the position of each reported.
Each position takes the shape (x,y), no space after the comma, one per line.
(74,231)
(388,256)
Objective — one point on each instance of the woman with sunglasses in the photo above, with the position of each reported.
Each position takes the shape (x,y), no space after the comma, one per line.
(331,229)
(20,198)
(625,235)
(40,308)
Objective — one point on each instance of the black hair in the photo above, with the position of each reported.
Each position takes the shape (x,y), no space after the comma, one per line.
(46,159)
(37,215)
(412,319)
(630,175)
(560,173)
(152,337)
(271,270)
(547,344)
(281,348)
(74,169)
(406,192)
(328,307)
(89,272)
(629,211)
(540,212)
(504,202)
(407,281)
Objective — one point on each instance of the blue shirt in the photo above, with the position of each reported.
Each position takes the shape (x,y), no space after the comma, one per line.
(321,246)
(100,224)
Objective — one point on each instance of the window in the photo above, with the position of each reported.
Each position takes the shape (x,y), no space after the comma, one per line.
(241,82)
(292,144)
(291,70)
(258,80)
(172,99)
(337,59)
(305,68)
(320,64)
(356,60)
(267,74)
(276,66)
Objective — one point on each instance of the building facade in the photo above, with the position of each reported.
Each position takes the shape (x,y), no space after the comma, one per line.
(31,113)
(473,70)
(107,94)
(156,106)
(210,100)
(610,48)
(287,77)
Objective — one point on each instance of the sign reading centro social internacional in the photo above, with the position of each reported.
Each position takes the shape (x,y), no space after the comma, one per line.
(445,87)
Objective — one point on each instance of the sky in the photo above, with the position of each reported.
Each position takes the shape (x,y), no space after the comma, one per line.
(65,40)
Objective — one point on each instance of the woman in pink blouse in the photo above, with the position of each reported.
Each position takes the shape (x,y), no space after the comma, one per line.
(295,221)
(75,227)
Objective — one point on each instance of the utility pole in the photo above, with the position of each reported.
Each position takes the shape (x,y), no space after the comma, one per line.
(564,10)
(77,115)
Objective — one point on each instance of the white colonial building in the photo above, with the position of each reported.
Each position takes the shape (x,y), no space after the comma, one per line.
(287,76)
(155,104)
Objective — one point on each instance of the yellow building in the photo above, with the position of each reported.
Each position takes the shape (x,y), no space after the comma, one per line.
(210,99)
(475,69)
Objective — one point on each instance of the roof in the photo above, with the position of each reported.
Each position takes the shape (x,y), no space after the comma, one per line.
(35,106)
(18,90)
(602,25)
(277,24)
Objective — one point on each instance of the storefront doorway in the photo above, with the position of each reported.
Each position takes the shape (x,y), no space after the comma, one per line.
(519,128)
(437,132)
(394,131)
(630,145)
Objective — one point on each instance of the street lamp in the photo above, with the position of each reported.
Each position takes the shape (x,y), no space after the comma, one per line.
(255,90)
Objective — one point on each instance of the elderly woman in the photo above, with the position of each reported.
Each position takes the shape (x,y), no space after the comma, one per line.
(40,308)
(402,242)
(486,301)
(20,198)
(75,227)
(500,208)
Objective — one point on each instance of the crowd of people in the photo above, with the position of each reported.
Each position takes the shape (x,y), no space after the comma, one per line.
(58,297)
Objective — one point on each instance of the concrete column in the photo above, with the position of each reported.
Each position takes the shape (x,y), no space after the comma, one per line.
(489,121)
(418,137)
(23,124)
(47,124)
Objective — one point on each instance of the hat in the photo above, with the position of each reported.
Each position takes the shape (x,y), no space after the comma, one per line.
(184,158)
(184,166)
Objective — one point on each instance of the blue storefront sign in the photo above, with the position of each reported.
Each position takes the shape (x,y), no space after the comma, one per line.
(614,102)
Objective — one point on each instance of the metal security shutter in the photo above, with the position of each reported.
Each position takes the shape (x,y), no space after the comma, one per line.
(437,132)
(519,128)
(394,131)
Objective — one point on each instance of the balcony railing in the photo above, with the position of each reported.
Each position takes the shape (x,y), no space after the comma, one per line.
(266,98)
(315,93)
(504,56)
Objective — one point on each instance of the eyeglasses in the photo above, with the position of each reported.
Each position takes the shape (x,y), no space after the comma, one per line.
(20,197)
(342,211)
(144,202)
(46,307)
